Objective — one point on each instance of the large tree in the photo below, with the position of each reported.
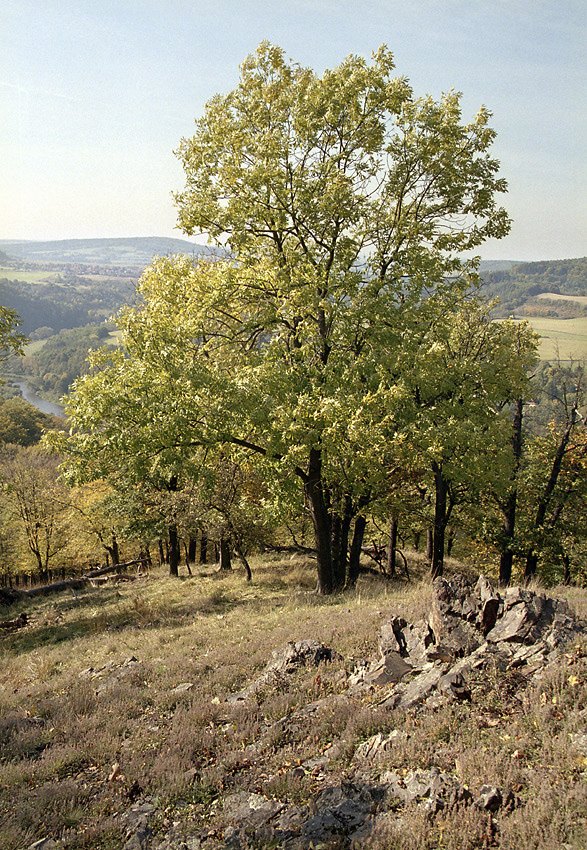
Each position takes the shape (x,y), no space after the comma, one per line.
(346,204)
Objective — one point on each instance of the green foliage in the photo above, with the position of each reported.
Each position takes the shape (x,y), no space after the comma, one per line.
(63,358)
(524,281)
(347,203)
(21,423)
(11,339)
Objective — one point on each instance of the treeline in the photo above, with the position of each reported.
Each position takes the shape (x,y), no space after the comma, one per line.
(63,358)
(525,281)
(77,301)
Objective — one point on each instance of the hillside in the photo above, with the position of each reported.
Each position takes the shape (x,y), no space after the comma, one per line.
(518,288)
(124,723)
(132,252)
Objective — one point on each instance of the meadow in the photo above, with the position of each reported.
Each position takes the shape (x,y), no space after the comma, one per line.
(116,695)
(27,275)
(560,338)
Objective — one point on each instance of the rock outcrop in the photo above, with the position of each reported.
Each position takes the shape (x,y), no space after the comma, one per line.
(470,628)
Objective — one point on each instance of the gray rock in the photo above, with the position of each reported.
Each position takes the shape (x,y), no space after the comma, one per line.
(418,690)
(489,799)
(182,688)
(454,686)
(426,786)
(253,809)
(490,604)
(379,744)
(387,670)
(454,616)
(579,741)
(284,662)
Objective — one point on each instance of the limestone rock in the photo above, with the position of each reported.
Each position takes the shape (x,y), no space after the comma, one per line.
(379,744)
(254,809)
(284,662)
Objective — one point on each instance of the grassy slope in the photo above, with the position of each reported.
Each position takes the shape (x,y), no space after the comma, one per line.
(61,731)
(566,337)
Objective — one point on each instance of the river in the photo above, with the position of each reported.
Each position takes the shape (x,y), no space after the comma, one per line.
(38,402)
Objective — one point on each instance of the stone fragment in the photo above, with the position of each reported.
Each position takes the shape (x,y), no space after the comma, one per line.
(489,799)
(418,690)
(379,744)
(453,616)
(439,789)
(284,662)
(182,688)
(254,809)
(490,604)
(387,670)
(453,685)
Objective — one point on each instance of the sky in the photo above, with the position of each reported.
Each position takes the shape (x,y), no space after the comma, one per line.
(95,95)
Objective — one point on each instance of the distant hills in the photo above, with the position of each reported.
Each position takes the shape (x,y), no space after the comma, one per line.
(523,288)
(131,252)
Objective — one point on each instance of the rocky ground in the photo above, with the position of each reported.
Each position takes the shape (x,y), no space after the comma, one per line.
(482,660)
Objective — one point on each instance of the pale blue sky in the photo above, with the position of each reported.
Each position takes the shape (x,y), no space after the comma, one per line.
(96,94)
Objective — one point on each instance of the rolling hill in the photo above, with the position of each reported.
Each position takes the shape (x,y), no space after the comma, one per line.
(132,252)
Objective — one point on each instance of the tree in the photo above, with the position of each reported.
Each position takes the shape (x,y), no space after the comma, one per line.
(36,500)
(21,423)
(346,204)
(555,471)
(466,370)
(11,340)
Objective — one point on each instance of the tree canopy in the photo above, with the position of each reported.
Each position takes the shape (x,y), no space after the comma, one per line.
(346,204)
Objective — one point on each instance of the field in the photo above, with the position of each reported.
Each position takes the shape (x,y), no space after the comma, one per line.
(28,276)
(554,296)
(566,338)
(115,697)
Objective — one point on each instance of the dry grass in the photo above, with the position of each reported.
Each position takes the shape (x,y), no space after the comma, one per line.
(64,726)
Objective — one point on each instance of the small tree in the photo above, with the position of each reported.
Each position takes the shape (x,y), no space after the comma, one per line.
(36,500)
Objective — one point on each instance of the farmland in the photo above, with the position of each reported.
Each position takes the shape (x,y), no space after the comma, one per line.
(565,338)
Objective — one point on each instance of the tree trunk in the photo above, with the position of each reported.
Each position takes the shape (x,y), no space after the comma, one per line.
(174,551)
(113,550)
(243,559)
(191,555)
(225,557)
(532,556)
(336,548)
(340,528)
(187,558)
(429,543)
(531,565)
(392,547)
(450,539)
(314,493)
(204,547)
(440,521)
(355,554)
(509,511)
(345,529)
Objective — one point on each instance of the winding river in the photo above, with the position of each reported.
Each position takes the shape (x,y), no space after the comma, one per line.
(38,402)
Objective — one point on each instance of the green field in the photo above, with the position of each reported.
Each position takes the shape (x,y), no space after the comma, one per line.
(25,276)
(566,338)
